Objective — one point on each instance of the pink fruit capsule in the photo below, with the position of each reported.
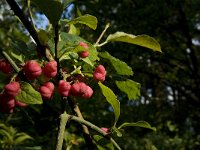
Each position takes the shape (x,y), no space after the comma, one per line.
(64,88)
(12,89)
(50,69)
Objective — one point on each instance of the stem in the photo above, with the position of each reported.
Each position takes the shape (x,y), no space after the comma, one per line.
(102,44)
(94,127)
(100,37)
(56,39)
(63,121)
(79,114)
(86,133)
(15,67)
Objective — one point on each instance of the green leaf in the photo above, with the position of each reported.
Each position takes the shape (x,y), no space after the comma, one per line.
(120,67)
(119,134)
(73,30)
(17,56)
(28,94)
(6,134)
(142,124)
(102,143)
(43,36)
(88,20)
(130,87)
(51,8)
(88,61)
(18,50)
(141,40)
(112,99)
(21,137)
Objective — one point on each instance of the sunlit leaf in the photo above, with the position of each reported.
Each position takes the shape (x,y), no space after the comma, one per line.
(28,94)
(112,99)
(141,40)
(73,30)
(43,36)
(130,87)
(120,67)
(88,61)
(88,20)
(142,124)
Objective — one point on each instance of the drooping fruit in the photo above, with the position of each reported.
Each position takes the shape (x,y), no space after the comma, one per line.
(64,88)
(98,76)
(12,89)
(50,69)
(81,89)
(100,69)
(32,69)
(78,89)
(99,73)
(50,85)
(46,90)
(88,93)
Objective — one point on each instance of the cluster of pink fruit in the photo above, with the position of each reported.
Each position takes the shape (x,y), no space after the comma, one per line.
(7,98)
(32,70)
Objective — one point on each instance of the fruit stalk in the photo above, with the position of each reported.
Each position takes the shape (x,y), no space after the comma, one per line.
(7,57)
(100,37)
(94,127)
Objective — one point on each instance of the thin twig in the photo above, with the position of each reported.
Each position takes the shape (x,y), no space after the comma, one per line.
(94,127)
(100,37)
(86,133)
(102,44)
(7,57)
